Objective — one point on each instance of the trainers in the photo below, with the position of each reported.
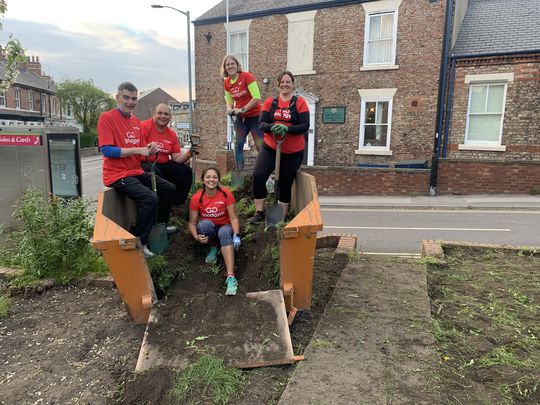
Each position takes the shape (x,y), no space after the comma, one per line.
(171,229)
(211,257)
(258,217)
(231,284)
(147,253)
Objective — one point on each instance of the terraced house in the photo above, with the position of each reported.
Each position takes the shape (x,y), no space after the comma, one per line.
(376,75)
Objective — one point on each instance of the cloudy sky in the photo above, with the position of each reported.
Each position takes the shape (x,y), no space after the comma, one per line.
(108,41)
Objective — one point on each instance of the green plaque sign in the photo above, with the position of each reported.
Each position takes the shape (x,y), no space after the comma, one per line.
(333,115)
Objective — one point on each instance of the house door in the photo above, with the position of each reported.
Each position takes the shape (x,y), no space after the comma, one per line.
(309,152)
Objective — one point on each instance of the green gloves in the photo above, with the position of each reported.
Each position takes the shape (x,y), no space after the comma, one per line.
(279,129)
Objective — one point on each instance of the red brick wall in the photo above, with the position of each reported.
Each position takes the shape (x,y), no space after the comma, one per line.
(491,177)
(342,181)
(338,54)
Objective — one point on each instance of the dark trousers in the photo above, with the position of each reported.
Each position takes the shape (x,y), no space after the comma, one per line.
(178,174)
(265,165)
(139,189)
(242,127)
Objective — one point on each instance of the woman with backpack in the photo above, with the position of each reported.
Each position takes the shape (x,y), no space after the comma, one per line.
(285,116)
(218,226)
(243,100)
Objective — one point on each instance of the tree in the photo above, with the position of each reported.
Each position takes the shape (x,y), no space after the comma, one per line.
(14,54)
(86,100)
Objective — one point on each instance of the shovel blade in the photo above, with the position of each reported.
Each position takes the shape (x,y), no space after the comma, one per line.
(159,241)
(274,215)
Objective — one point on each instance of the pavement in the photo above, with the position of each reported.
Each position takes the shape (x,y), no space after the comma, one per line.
(472,201)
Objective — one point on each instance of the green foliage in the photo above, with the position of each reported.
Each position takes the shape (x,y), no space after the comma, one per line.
(207,381)
(87,101)
(5,306)
(272,271)
(245,207)
(13,54)
(54,239)
(88,139)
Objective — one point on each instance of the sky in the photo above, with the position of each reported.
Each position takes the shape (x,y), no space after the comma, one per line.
(107,41)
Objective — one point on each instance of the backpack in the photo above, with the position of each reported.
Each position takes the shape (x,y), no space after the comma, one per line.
(292,108)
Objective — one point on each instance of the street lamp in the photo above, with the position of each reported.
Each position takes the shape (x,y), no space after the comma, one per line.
(186,13)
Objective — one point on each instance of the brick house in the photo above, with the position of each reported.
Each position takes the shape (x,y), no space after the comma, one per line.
(491,137)
(31,99)
(149,99)
(375,76)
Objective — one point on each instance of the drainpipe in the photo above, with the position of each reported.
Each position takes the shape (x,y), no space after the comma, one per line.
(443,73)
(449,103)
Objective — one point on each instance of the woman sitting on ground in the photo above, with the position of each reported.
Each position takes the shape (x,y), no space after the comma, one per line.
(216,207)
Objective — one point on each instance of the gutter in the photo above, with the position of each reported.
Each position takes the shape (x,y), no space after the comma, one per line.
(443,73)
(274,11)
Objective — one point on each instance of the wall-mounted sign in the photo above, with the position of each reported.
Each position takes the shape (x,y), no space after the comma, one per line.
(20,140)
(333,115)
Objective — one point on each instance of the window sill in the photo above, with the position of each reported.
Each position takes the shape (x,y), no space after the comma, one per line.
(379,67)
(303,72)
(371,151)
(489,148)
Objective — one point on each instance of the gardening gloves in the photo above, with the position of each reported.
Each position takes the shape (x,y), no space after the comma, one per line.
(236,241)
(279,129)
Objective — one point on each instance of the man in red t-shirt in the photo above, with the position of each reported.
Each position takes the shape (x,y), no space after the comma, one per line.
(120,141)
(171,160)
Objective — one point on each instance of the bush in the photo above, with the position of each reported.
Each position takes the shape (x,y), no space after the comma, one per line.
(88,139)
(54,241)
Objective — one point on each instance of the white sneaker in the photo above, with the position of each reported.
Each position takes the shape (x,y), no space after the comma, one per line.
(171,229)
(147,253)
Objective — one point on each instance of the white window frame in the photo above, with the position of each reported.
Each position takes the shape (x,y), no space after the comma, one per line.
(375,95)
(376,8)
(43,104)
(301,35)
(2,99)
(486,80)
(235,28)
(17,98)
(30,100)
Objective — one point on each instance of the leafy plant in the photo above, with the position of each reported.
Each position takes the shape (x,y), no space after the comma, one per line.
(54,239)
(5,305)
(207,380)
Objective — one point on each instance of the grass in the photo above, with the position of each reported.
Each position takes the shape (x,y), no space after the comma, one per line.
(484,320)
(207,380)
(5,306)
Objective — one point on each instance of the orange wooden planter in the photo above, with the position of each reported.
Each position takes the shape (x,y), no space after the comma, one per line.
(123,253)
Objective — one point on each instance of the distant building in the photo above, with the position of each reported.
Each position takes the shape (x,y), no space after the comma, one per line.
(148,99)
(31,99)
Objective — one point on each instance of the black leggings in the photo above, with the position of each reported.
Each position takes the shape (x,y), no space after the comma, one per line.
(265,165)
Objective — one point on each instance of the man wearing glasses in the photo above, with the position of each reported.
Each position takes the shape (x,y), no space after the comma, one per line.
(121,142)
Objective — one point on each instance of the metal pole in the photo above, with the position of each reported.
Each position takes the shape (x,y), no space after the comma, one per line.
(189,75)
(227,25)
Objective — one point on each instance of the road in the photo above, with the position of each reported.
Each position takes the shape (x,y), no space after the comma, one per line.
(400,231)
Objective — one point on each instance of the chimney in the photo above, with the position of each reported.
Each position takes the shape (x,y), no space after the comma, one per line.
(33,65)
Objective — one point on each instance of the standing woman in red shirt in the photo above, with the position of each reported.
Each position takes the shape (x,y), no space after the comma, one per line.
(286,115)
(243,100)
(215,205)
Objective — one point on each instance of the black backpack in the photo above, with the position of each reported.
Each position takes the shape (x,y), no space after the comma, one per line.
(292,108)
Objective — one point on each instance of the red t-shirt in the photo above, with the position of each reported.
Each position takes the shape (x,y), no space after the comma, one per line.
(293,142)
(125,132)
(167,140)
(213,208)
(240,92)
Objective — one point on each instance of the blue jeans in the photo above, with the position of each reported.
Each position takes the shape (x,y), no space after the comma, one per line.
(223,232)
(242,127)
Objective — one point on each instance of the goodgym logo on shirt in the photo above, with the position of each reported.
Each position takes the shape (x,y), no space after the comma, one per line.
(284,113)
(131,138)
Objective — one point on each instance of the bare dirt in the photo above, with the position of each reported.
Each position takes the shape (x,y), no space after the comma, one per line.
(375,342)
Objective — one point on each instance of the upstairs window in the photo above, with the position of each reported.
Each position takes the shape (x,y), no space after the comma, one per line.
(380,34)
(2,99)
(239,41)
(17,98)
(301,34)
(30,100)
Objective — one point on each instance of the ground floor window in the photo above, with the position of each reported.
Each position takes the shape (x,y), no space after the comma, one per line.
(485,113)
(375,119)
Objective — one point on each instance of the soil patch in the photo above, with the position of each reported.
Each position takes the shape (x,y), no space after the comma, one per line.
(486,311)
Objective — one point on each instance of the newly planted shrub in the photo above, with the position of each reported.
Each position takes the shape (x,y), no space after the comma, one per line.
(54,239)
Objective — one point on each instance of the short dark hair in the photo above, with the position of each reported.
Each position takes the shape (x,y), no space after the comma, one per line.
(285,72)
(127,86)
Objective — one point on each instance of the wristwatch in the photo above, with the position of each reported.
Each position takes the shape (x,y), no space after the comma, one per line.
(243,109)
